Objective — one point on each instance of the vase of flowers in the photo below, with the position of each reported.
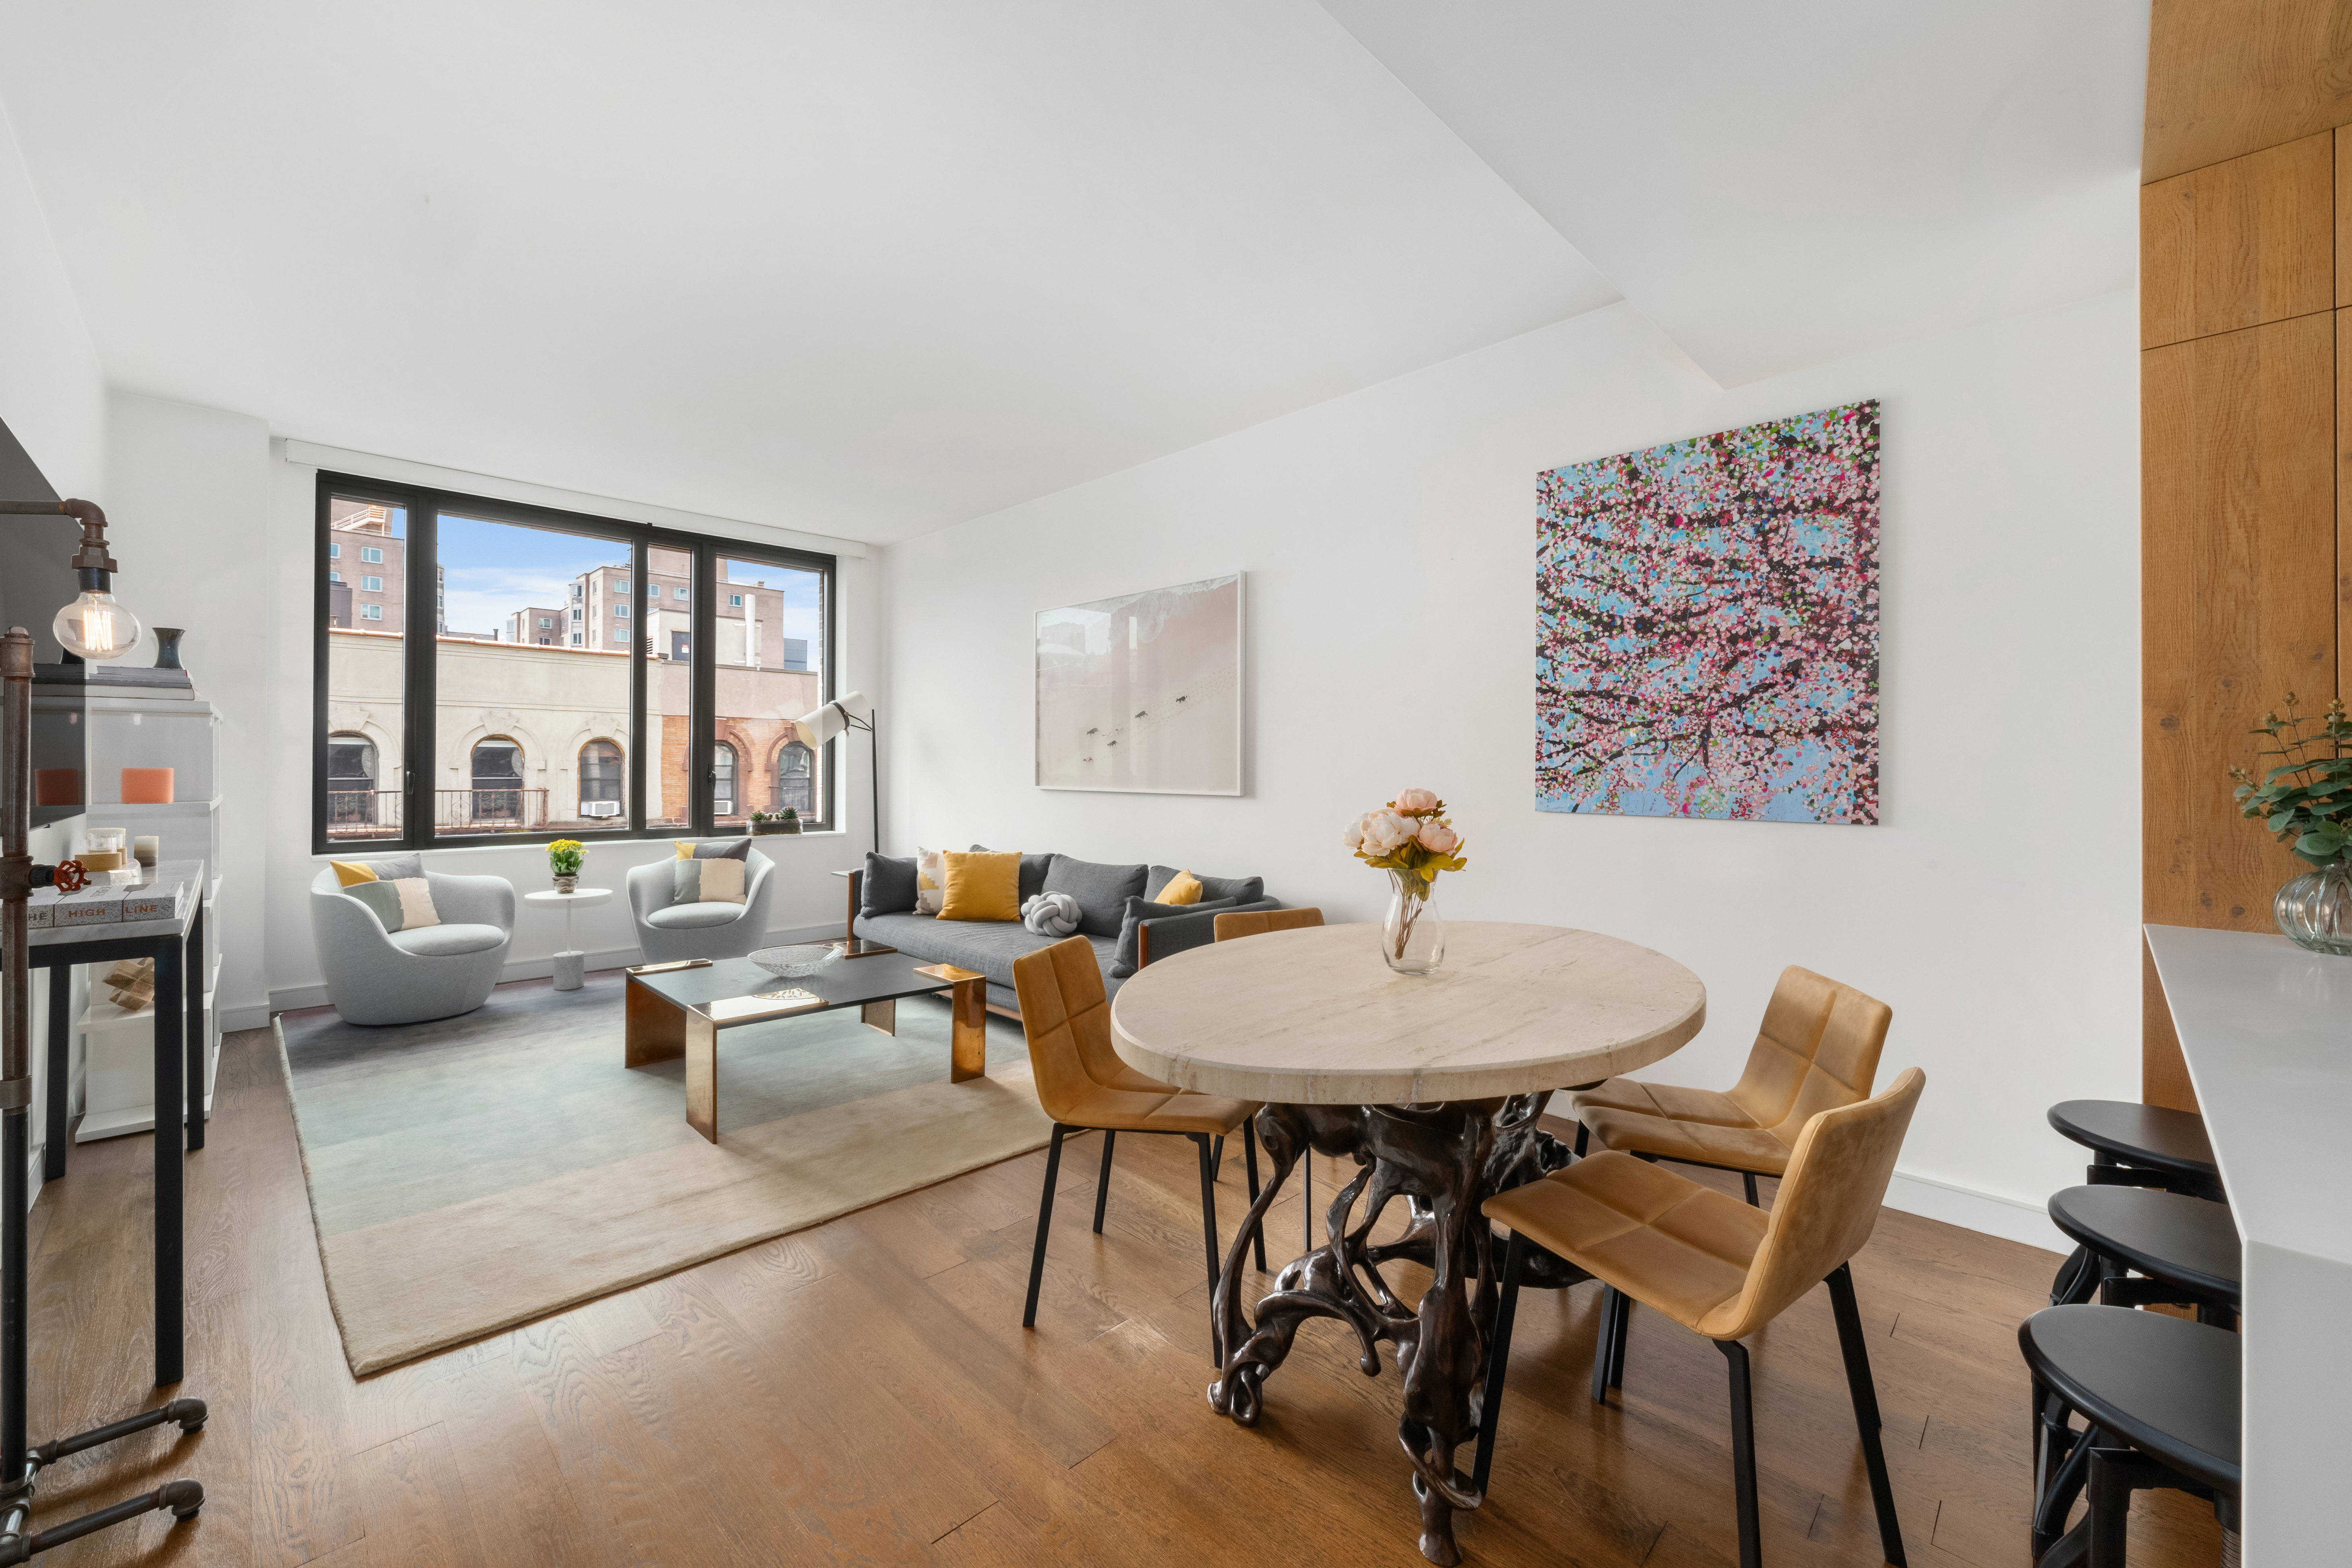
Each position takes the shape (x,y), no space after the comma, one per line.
(1411,839)
(2306,802)
(563,858)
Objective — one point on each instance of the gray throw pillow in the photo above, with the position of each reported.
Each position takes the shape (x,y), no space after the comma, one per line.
(1241,890)
(1130,941)
(888,888)
(1102,891)
(1033,871)
(395,867)
(724,850)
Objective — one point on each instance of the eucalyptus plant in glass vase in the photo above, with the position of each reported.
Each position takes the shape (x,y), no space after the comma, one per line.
(1411,839)
(2306,802)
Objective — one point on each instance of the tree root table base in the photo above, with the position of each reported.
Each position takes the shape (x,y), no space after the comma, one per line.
(1445,1161)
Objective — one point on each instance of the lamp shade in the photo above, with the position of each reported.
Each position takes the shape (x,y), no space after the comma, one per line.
(814,729)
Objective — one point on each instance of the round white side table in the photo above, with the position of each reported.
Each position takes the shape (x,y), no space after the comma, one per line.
(570,963)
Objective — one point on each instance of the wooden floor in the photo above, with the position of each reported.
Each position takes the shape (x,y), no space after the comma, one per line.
(864,1393)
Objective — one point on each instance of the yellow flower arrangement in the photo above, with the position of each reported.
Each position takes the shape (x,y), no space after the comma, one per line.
(564,855)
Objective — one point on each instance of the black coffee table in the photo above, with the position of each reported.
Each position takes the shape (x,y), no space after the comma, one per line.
(678,1009)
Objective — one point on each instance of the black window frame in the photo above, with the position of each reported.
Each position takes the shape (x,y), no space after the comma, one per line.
(425,507)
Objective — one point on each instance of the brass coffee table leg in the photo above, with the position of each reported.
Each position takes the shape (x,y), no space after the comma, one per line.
(968,1058)
(701,1050)
(882,1014)
(654,1030)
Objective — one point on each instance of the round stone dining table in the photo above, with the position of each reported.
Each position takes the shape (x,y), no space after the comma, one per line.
(1432,1084)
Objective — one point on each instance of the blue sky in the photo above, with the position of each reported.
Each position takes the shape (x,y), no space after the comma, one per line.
(489,570)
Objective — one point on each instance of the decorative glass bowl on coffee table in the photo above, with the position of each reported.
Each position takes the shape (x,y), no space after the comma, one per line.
(798,960)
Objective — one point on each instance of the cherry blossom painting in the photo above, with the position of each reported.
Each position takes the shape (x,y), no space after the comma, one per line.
(1708,625)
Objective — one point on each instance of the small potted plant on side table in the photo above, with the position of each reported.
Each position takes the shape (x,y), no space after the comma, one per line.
(563,859)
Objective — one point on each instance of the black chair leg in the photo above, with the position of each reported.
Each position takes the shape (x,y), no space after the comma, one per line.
(1743,1454)
(1102,1182)
(1217,1160)
(1209,1229)
(1498,1363)
(1866,1408)
(1581,1135)
(1249,1158)
(1748,1178)
(2110,1509)
(1044,1223)
(1604,1344)
(1617,1340)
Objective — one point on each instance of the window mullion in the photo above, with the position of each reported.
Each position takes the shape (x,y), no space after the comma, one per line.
(702,732)
(420,623)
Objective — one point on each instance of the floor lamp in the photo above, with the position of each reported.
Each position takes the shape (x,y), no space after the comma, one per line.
(92,627)
(850,712)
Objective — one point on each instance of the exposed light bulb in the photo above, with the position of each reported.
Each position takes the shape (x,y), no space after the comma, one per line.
(94,626)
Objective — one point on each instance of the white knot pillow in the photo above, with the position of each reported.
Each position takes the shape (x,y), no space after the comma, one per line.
(1051,914)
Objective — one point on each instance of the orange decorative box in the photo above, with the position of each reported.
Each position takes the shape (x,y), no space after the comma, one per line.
(146,786)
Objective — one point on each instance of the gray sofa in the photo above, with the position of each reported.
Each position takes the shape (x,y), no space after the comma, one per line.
(375,976)
(1102,892)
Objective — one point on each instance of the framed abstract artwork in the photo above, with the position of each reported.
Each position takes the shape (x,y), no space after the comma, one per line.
(1706,638)
(1143,692)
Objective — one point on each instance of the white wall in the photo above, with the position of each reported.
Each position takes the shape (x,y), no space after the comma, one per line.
(52,394)
(187,501)
(1388,539)
(53,400)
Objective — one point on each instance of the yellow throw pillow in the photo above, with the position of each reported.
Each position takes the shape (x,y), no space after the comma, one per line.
(982,887)
(1183,888)
(350,871)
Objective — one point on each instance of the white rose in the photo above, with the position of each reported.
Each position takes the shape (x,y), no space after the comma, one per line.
(1353,838)
(1384,831)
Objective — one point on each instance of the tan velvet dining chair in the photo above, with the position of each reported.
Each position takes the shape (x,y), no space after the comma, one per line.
(1257,922)
(1085,1087)
(1719,1266)
(1818,1049)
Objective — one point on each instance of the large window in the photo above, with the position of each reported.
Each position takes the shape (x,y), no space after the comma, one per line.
(445,731)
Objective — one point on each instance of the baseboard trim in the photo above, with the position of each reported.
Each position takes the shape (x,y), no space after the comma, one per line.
(1973,1209)
(286,999)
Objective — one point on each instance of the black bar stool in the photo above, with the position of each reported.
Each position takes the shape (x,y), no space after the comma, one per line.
(2134,1146)
(2185,1249)
(2160,1398)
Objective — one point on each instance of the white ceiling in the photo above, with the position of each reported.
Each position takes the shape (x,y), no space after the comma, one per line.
(1777,184)
(869,270)
(860,269)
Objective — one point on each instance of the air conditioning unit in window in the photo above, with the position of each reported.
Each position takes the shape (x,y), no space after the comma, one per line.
(600,808)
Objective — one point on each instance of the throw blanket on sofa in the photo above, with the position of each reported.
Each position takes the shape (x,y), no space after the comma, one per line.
(1051,914)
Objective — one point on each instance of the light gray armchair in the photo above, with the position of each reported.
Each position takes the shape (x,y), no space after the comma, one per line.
(375,976)
(667,930)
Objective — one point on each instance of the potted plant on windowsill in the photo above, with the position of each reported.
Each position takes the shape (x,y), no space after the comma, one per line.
(786,821)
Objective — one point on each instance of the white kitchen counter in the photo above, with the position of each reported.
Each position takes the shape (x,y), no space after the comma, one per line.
(2267,1031)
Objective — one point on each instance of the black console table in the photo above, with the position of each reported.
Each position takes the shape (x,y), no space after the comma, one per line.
(180,1038)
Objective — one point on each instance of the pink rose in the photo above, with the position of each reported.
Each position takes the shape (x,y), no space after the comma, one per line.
(1438,838)
(1415,800)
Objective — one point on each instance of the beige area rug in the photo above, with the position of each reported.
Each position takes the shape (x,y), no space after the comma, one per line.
(473,1173)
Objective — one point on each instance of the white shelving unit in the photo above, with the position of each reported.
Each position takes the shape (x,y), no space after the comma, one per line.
(119,1088)
(151,727)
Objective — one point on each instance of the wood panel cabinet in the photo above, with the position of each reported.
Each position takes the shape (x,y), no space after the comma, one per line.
(2239,244)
